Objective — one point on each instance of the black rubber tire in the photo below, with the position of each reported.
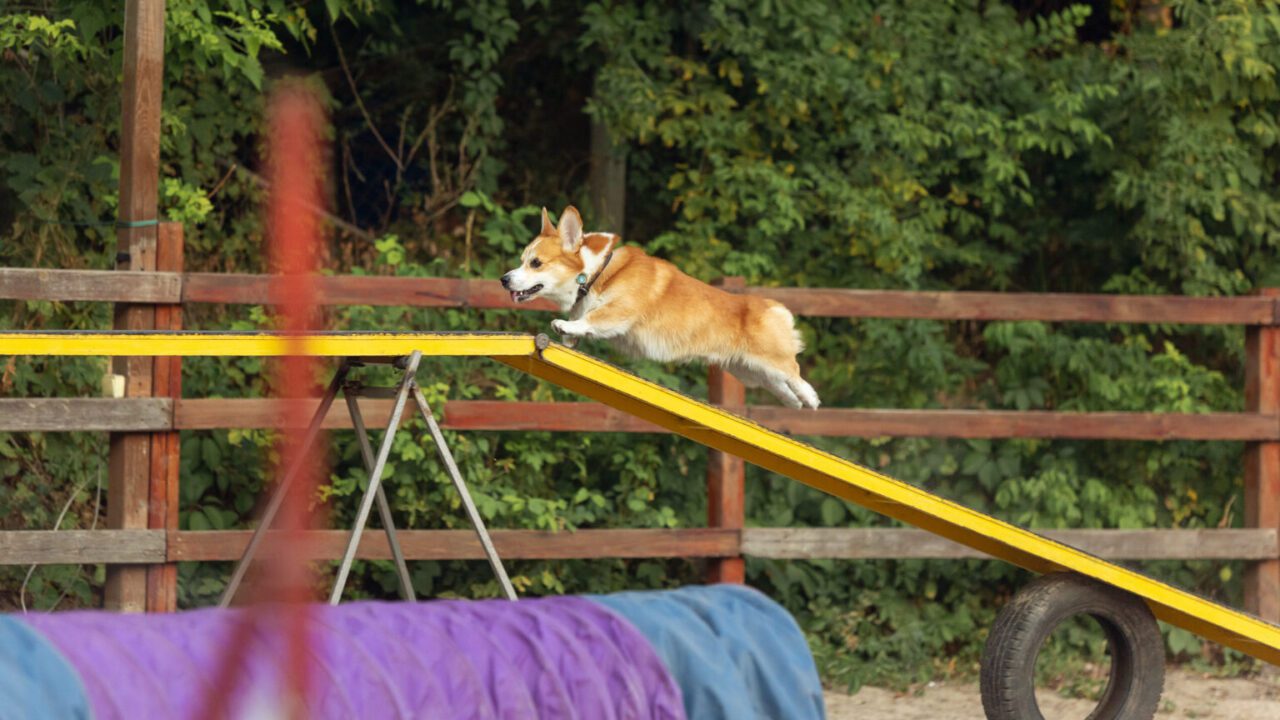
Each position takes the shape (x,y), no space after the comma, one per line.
(1133,641)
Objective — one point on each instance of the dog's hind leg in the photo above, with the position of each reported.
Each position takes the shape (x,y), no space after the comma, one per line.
(749,376)
(782,378)
(789,391)
(777,384)
(804,391)
(776,342)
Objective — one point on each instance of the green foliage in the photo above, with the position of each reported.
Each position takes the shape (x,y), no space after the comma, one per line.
(962,145)
(860,128)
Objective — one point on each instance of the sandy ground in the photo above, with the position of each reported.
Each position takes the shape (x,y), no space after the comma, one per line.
(1186,695)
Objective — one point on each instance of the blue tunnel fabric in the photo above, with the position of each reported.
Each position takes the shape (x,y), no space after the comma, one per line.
(35,680)
(736,653)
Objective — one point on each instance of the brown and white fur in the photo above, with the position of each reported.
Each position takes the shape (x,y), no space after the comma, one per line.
(648,307)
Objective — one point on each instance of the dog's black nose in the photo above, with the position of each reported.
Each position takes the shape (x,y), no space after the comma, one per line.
(506,281)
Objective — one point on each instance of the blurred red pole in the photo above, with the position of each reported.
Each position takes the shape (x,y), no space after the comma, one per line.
(282,587)
(296,182)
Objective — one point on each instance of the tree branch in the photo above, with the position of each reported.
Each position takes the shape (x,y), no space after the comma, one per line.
(351,82)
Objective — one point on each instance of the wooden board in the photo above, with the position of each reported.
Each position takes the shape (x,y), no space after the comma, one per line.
(857,422)
(463,545)
(90,285)
(193,414)
(22,547)
(60,547)
(1048,307)
(248,289)
(894,543)
(85,414)
(201,414)
(147,414)
(359,290)
(551,416)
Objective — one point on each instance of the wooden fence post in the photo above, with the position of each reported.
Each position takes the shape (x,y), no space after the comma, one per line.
(726,475)
(1262,462)
(130,462)
(162,508)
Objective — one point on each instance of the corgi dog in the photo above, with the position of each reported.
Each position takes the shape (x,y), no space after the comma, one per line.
(649,308)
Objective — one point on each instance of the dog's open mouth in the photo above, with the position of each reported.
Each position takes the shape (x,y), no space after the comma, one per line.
(523,295)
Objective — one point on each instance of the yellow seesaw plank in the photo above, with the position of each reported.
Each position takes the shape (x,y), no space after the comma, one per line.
(725,431)
(211,344)
(714,428)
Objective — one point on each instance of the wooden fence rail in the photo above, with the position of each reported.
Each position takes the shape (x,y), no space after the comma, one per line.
(165,414)
(162,413)
(244,289)
(159,546)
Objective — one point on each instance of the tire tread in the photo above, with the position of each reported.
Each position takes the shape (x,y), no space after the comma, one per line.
(1007,677)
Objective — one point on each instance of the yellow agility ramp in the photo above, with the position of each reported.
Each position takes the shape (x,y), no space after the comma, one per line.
(262,344)
(714,428)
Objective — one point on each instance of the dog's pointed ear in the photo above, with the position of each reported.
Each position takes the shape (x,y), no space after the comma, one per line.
(547,227)
(571,229)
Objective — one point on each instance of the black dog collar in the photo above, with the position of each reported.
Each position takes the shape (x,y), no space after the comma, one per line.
(584,285)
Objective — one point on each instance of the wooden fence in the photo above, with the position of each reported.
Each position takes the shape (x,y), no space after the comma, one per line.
(143,542)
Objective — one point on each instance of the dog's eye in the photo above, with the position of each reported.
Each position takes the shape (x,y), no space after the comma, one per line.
(535,263)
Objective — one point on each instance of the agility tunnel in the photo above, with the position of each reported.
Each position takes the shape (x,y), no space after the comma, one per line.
(698,652)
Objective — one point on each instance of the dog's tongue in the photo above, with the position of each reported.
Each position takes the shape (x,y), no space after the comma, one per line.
(515,296)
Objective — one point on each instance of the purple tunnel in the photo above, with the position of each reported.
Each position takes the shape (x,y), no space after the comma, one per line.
(719,652)
(564,657)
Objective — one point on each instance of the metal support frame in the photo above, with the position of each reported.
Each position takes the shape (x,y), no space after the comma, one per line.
(476,521)
(375,465)
(384,508)
(375,486)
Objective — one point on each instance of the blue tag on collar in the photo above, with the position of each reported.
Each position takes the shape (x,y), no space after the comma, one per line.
(582,278)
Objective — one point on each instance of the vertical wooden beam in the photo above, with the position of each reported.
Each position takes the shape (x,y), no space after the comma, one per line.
(607,180)
(162,509)
(1262,462)
(726,474)
(130,463)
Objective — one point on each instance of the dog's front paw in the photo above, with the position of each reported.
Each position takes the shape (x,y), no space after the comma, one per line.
(569,331)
